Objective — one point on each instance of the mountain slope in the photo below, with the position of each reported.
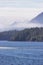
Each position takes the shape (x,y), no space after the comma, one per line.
(38,19)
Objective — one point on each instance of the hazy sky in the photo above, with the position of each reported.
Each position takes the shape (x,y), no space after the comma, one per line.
(22,3)
(20,11)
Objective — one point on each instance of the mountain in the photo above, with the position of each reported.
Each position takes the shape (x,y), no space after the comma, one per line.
(38,19)
(27,34)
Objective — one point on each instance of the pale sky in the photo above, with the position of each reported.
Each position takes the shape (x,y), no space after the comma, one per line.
(22,3)
(19,12)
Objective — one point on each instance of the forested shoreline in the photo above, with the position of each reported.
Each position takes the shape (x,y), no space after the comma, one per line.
(29,34)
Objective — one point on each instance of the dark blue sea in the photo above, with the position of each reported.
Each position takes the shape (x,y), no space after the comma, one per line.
(21,53)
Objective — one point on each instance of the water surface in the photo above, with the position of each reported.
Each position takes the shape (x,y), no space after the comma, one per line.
(24,53)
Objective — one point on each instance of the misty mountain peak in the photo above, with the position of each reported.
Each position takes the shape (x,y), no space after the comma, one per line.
(38,19)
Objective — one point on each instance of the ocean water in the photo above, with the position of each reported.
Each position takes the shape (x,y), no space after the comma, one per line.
(21,53)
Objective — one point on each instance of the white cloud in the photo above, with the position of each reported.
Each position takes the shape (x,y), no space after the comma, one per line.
(20,12)
(20,16)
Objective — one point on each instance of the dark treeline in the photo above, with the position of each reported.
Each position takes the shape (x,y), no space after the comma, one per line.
(32,34)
